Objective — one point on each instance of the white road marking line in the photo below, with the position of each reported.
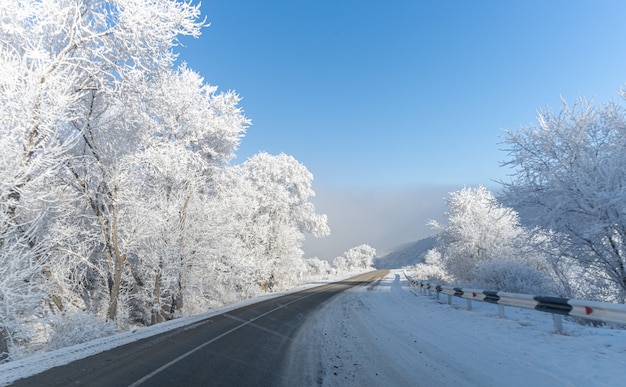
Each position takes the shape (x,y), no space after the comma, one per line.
(181,357)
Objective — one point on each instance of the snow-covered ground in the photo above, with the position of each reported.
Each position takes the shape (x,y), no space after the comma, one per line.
(390,334)
(393,335)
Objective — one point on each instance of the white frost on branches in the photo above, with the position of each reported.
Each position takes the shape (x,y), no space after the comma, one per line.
(570,177)
(117,203)
(356,259)
(484,245)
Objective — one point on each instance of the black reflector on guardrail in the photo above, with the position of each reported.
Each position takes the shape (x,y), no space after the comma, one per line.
(491,296)
(458,292)
(556,305)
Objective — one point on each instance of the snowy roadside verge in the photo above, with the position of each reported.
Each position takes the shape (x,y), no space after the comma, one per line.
(34,364)
(390,334)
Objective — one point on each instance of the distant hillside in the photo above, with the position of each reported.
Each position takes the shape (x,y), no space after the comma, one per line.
(408,254)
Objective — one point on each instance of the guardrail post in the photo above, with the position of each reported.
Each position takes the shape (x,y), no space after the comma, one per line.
(469,303)
(558,323)
(449,299)
(501,311)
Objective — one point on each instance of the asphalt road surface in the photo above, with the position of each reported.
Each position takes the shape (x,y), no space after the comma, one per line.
(244,347)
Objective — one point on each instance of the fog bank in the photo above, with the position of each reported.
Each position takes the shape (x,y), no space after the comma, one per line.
(380,218)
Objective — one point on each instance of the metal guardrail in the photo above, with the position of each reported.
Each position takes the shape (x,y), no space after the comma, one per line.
(557,306)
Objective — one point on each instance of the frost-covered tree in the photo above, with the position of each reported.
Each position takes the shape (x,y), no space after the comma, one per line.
(170,174)
(569,177)
(40,96)
(318,268)
(89,91)
(361,256)
(171,111)
(21,292)
(276,215)
(484,245)
(116,197)
(478,229)
(357,258)
(432,268)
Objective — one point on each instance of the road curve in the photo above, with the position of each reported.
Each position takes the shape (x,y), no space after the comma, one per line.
(244,347)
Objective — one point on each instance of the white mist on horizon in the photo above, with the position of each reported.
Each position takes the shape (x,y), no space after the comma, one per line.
(381,218)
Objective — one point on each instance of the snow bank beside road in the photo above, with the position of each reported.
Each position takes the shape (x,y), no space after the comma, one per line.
(390,335)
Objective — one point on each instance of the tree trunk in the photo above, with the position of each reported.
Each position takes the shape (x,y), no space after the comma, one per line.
(156,297)
(4,344)
(177,302)
(622,282)
(119,267)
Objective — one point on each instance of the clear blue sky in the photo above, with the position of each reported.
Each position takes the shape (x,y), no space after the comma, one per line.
(380,95)
(374,93)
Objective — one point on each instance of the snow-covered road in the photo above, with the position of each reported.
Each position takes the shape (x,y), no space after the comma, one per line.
(390,334)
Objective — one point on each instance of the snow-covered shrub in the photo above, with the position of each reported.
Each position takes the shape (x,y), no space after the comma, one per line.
(431,270)
(511,276)
(479,229)
(78,327)
(431,274)
(357,258)
(340,263)
(318,269)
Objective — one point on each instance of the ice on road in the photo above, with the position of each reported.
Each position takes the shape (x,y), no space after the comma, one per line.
(390,334)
